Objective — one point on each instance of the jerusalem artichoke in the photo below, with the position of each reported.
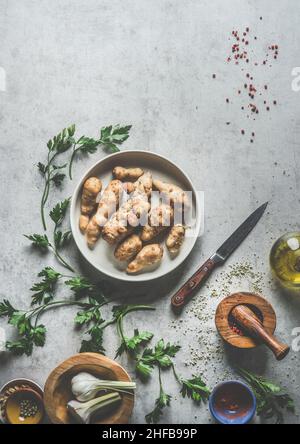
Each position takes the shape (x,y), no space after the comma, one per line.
(108,204)
(91,188)
(83,222)
(130,214)
(175,238)
(159,219)
(128,187)
(173,193)
(127,174)
(144,184)
(129,248)
(149,255)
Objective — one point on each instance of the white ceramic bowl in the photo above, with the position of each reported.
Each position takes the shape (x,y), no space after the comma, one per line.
(102,257)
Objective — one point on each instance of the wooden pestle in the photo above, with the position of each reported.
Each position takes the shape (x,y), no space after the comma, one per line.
(248,320)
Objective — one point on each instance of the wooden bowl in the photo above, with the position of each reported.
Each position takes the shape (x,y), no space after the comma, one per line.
(255,302)
(58,393)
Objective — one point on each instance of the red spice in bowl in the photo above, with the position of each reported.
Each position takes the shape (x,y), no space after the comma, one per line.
(232,402)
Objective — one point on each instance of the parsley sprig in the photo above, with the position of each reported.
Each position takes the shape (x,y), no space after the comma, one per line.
(90,315)
(51,172)
(160,357)
(161,402)
(44,289)
(60,238)
(119,312)
(110,137)
(29,334)
(271,399)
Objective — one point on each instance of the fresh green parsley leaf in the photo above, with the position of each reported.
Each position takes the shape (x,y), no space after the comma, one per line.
(58,213)
(111,136)
(58,178)
(85,317)
(160,356)
(80,286)
(20,347)
(131,344)
(271,399)
(95,343)
(40,241)
(195,389)
(18,319)
(50,274)
(44,290)
(38,335)
(119,310)
(6,309)
(63,141)
(160,403)
(42,168)
(61,239)
(87,145)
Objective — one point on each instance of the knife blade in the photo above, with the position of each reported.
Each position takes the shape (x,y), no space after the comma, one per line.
(184,294)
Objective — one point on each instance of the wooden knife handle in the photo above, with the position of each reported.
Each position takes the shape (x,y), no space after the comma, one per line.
(247,319)
(183,295)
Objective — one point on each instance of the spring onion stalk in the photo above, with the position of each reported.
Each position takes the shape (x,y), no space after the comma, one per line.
(82,411)
(86,386)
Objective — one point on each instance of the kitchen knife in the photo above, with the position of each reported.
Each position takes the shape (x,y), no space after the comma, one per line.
(182,297)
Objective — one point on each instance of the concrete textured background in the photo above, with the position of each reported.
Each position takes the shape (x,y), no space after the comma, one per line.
(150,64)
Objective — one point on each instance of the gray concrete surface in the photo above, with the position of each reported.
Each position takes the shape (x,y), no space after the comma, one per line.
(150,64)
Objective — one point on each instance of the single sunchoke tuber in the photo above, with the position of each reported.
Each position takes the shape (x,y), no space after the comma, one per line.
(131,213)
(128,187)
(127,174)
(91,188)
(108,204)
(144,184)
(174,194)
(175,238)
(129,248)
(160,218)
(149,255)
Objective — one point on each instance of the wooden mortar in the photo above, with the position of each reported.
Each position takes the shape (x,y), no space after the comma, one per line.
(257,319)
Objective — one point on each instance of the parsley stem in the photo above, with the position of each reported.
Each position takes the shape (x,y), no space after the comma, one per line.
(160,382)
(126,312)
(46,188)
(39,310)
(61,259)
(107,323)
(72,160)
(178,379)
(57,255)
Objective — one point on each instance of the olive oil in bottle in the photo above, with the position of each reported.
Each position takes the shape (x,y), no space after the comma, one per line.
(285,260)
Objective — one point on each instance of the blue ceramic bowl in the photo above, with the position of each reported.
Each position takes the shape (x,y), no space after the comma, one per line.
(232,402)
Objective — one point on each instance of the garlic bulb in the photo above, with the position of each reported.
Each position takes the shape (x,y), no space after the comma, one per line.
(86,386)
(82,411)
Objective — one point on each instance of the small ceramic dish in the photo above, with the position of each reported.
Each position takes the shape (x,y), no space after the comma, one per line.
(102,256)
(12,386)
(58,390)
(232,402)
(32,400)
